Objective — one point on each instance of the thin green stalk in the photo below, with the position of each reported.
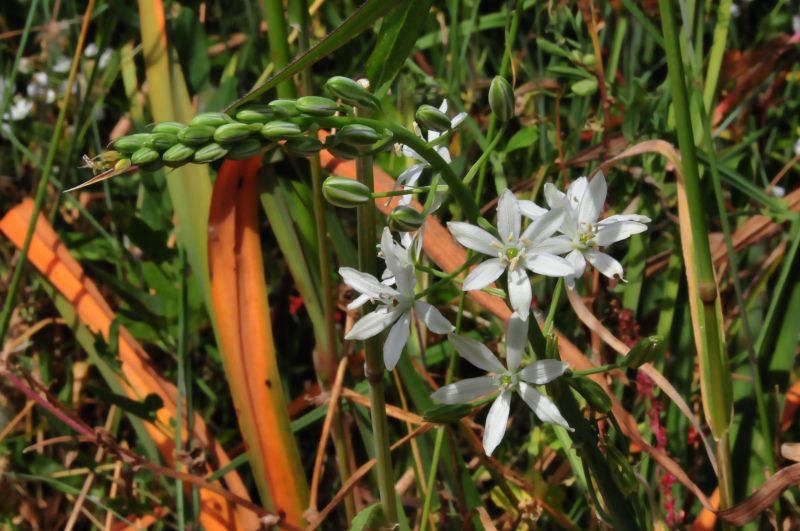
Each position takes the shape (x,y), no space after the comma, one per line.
(554,300)
(715,374)
(179,413)
(717,51)
(278,43)
(47,170)
(374,367)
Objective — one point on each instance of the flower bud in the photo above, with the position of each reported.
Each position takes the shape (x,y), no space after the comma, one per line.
(244,149)
(340,150)
(501,99)
(303,146)
(405,219)
(278,130)
(130,143)
(209,153)
(284,108)
(145,155)
(446,413)
(646,350)
(213,119)
(592,393)
(230,133)
(196,135)
(255,114)
(161,141)
(168,127)
(122,165)
(432,118)
(345,193)
(316,106)
(352,92)
(357,134)
(177,155)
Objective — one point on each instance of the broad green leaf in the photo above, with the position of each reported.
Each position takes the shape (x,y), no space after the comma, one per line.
(525,137)
(396,39)
(370,517)
(584,87)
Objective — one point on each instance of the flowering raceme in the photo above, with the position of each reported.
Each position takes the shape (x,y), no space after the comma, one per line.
(505,380)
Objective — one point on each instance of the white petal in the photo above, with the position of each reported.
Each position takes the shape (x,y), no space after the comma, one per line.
(474,238)
(544,226)
(433,318)
(443,107)
(358,302)
(593,200)
(496,422)
(476,353)
(396,340)
(543,371)
(519,291)
(555,245)
(578,262)
(624,217)
(516,340)
(366,283)
(484,274)
(465,390)
(509,220)
(396,258)
(548,265)
(614,232)
(457,119)
(410,176)
(529,209)
(576,191)
(544,408)
(605,264)
(553,196)
(372,324)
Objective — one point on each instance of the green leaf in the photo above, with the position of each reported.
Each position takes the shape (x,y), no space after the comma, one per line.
(362,19)
(396,39)
(525,137)
(584,87)
(369,518)
(145,409)
(552,48)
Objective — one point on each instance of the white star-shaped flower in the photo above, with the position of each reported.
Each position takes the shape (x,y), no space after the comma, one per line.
(505,380)
(395,304)
(515,250)
(583,233)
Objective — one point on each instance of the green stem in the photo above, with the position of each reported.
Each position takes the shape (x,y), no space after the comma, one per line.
(595,370)
(716,388)
(374,367)
(278,43)
(554,300)
(181,376)
(717,51)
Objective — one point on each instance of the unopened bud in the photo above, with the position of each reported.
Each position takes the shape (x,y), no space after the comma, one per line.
(231,133)
(130,143)
(316,106)
(340,150)
(244,149)
(645,351)
(622,472)
(432,118)
(210,153)
(122,165)
(357,134)
(405,219)
(196,135)
(501,99)
(303,146)
(213,119)
(254,114)
(345,193)
(352,92)
(278,130)
(168,127)
(284,108)
(177,155)
(145,155)
(161,141)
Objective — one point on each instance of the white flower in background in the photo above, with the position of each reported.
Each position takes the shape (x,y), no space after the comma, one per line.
(583,234)
(90,50)
(797,148)
(395,305)
(505,380)
(105,58)
(19,110)
(515,250)
(62,65)
(38,88)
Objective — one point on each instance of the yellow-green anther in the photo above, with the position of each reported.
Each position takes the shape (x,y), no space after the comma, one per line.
(244,149)
(210,153)
(213,119)
(405,219)
(432,118)
(255,114)
(168,127)
(284,108)
(316,106)
(351,92)
(345,193)
(177,155)
(145,155)
(196,135)
(278,130)
(357,134)
(501,99)
(230,133)
(130,143)
(303,147)
(122,165)
(161,141)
